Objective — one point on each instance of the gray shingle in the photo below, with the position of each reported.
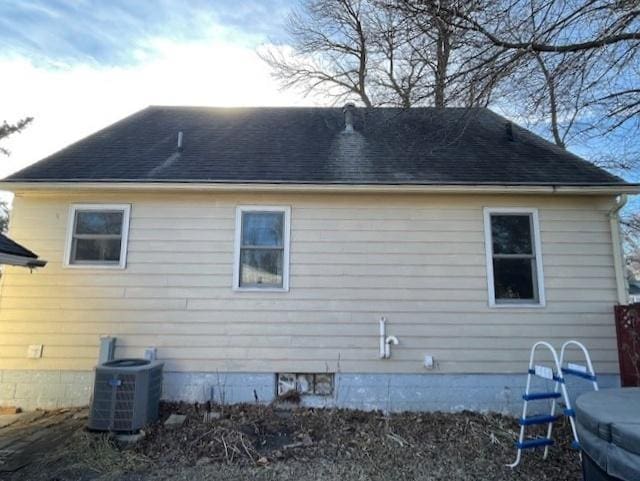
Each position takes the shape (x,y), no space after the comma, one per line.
(309,145)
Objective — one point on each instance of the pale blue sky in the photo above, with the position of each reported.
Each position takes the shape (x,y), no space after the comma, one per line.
(78,65)
(117,32)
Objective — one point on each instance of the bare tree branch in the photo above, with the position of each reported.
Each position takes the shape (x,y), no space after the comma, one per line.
(7,129)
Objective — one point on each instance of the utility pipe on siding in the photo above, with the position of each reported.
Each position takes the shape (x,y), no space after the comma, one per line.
(386,341)
(383,334)
(616,242)
(387,345)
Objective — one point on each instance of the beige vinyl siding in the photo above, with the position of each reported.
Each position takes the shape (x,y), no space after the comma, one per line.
(419,260)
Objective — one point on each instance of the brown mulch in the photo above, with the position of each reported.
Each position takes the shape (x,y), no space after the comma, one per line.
(430,446)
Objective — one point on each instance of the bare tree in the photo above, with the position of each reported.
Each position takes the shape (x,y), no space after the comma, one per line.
(7,129)
(330,46)
(591,44)
(399,67)
(373,51)
(446,50)
(5,211)
(631,232)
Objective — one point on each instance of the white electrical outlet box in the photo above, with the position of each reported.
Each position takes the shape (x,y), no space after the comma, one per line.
(34,351)
(428,362)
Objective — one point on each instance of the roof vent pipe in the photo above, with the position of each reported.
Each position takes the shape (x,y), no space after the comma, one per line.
(509,127)
(180,141)
(348,110)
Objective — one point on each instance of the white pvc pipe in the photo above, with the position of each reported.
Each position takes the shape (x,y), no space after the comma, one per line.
(616,242)
(383,349)
(387,345)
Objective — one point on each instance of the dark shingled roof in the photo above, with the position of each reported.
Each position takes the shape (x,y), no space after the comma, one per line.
(7,246)
(310,145)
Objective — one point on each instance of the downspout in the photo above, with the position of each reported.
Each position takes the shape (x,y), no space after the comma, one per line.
(616,242)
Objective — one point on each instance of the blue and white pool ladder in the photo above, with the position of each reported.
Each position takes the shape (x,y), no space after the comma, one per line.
(556,374)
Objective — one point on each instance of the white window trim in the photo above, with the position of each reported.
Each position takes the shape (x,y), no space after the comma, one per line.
(286,240)
(125,208)
(537,243)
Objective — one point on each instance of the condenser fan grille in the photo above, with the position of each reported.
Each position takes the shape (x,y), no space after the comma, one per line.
(125,403)
(101,405)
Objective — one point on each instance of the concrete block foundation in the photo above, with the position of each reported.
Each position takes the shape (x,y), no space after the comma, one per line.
(388,392)
(29,389)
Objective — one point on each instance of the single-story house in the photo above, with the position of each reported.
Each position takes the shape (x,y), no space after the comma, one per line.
(370,258)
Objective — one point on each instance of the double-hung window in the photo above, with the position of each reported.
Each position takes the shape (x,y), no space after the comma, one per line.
(514,259)
(262,248)
(97,235)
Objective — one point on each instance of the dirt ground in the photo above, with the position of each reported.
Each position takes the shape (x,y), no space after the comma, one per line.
(249,442)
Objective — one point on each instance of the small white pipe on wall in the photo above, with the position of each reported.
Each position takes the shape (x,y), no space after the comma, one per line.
(383,350)
(387,346)
(386,341)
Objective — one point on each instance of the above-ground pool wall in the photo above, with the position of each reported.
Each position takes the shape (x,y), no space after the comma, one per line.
(418,260)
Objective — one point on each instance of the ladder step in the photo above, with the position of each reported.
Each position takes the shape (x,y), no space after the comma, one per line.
(549,376)
(570,413)
(534,443)
(545,419)
(583,375)
(575,444)
(532,396)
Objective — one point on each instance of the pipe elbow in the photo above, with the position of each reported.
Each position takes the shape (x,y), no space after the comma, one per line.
(621,201)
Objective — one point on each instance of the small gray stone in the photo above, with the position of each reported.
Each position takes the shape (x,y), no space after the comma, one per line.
(82,414)
(202,461)
(175,420)
(212,416)
(128,440)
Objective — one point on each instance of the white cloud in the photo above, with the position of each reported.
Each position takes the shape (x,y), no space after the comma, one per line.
(71,101)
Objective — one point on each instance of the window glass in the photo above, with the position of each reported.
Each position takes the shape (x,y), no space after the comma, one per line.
(513,278)
(96,250)
(262,249)
(261,267)
(511,234)
(514,261)
(102,222)
(97,237)
(262,229)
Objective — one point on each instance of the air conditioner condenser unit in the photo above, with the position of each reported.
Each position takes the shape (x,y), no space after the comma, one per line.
(126,395)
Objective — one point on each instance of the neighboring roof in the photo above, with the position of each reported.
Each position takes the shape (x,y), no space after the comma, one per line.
(14,254)
(389,146)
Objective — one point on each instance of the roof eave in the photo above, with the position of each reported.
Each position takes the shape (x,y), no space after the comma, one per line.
(21,261)
(43,186)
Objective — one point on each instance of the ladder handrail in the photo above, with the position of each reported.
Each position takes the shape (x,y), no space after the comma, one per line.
(587,356)
(585,351)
